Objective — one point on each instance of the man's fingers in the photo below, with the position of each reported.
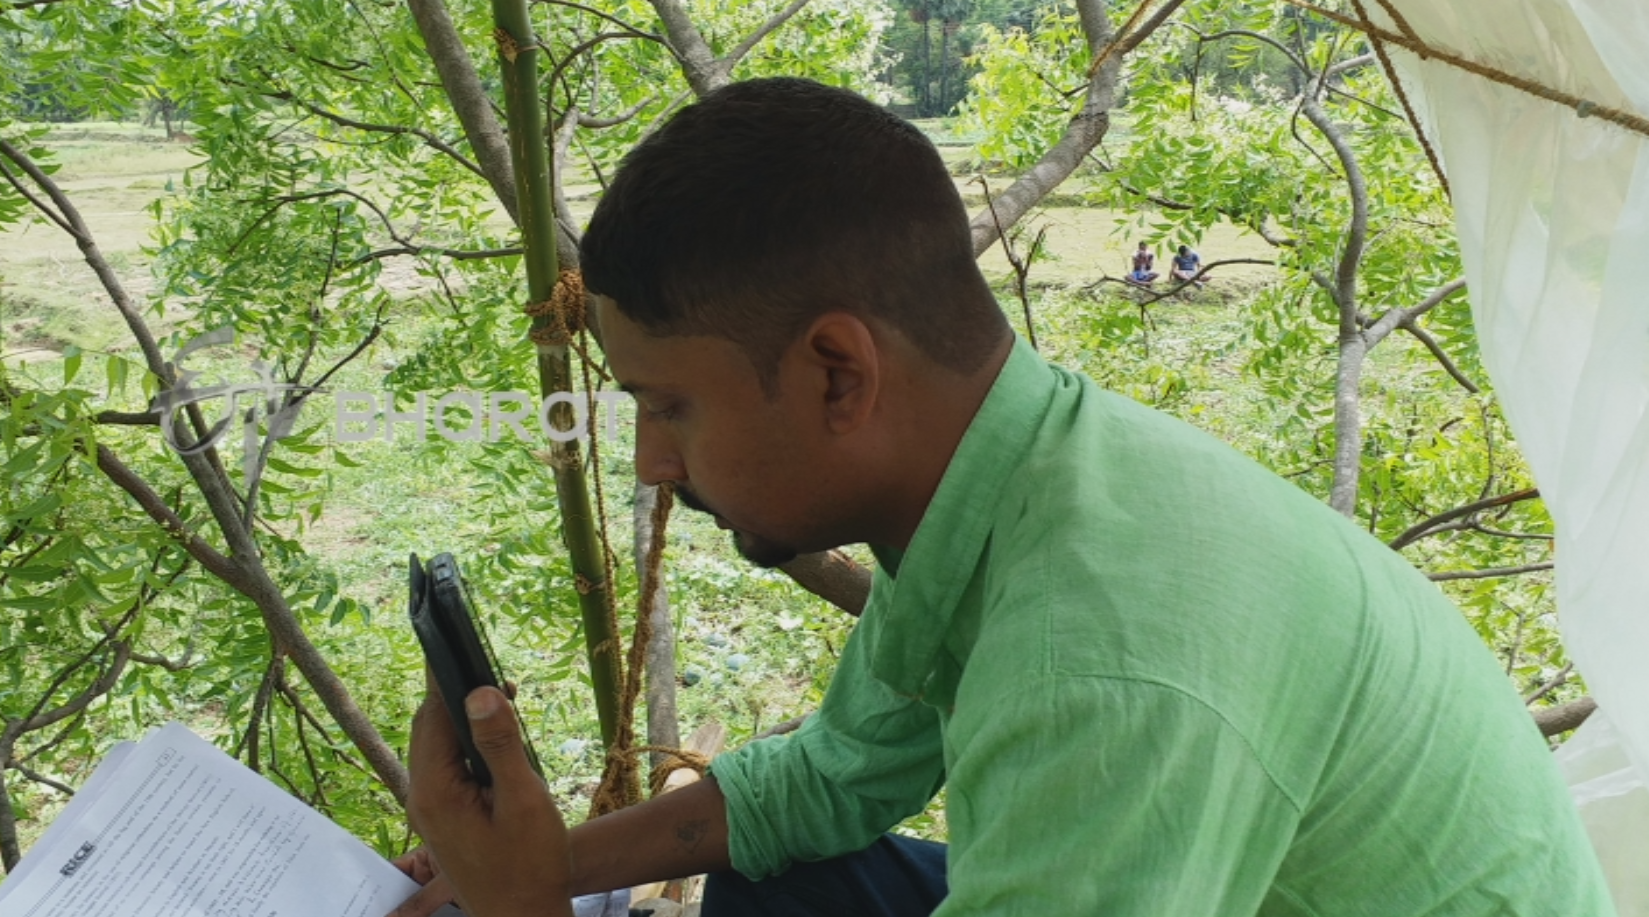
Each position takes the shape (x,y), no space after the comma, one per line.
(418,864)
(498,738)
(408,863)
(433,756)
(426,900)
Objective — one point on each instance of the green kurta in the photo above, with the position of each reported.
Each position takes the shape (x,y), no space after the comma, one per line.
(1157,679)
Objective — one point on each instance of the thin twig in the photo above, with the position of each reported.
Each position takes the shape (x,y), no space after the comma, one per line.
(38,777)
(1021,267)
(1552,684)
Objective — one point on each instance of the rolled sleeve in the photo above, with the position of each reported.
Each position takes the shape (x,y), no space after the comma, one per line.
(866,760)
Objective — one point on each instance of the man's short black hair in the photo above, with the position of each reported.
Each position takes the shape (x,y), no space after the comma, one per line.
(772,201)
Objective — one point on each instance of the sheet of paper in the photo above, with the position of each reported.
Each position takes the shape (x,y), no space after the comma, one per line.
(78,804)
(180,829)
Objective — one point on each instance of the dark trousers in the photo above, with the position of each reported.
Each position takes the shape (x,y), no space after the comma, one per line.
(894,877)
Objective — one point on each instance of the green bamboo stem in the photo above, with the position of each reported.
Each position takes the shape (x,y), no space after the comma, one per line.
(518,61)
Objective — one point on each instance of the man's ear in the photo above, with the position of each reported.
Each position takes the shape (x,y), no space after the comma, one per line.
(842,350)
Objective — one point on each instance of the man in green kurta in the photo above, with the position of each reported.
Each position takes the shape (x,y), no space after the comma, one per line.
(1152,677)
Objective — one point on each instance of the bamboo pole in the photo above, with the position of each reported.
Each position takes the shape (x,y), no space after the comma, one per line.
(529,149)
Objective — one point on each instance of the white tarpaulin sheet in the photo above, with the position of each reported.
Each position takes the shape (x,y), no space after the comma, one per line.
(1553,216)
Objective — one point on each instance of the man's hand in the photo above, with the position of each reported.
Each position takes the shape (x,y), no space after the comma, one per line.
(503,849)
(421,867)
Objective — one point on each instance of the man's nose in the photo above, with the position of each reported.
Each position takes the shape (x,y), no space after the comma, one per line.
(657,459)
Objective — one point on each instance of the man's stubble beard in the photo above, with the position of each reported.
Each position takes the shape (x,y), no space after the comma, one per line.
(762,552)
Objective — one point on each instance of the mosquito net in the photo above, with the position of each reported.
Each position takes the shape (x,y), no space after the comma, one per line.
(1552,207)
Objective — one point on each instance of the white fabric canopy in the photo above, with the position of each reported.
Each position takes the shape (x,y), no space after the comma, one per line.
(1553,216)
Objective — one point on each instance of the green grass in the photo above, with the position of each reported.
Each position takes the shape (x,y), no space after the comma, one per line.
(49,298)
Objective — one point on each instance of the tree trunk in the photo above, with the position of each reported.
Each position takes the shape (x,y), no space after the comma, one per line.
(943,105)
(698,63)
(10,852)
(1342,288)
(469,100)
(1348,424)
(1080,137)
(924,100)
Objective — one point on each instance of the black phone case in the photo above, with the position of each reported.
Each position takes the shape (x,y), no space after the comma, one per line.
(457,660)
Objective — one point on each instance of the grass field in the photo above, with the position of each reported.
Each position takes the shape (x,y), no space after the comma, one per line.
(114,172)
(48,297)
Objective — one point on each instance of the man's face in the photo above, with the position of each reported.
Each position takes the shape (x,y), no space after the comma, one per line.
(704,422)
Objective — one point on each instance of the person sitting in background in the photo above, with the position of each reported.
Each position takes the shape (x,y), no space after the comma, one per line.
(1144,263)
(1187,264)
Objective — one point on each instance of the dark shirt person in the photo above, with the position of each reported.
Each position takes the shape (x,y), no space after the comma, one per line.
(1144,266)
(1153,677)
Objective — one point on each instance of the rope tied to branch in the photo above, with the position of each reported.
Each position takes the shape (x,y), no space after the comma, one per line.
(1397,85)
(620,780)
(557,320)
(1408,40)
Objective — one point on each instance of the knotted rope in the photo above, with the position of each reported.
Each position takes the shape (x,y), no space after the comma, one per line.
(620,781)
(561,317)
(1397,86)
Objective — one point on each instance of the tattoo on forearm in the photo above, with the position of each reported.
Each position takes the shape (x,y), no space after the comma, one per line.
(690,833)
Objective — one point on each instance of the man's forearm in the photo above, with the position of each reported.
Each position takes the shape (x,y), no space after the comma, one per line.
(682,833)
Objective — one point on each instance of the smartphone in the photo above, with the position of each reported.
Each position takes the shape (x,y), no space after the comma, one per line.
(459,658)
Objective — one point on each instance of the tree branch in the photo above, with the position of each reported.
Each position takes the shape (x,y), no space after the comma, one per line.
(1489,573)
(40,778)
(244,564)
(1147,28)
(834,577)
(1555,682)
(1564,717)
(731,59)
(1426,526)
(206,555)
(430,139)
(1081,135)
(1395,318)
(1158,296)
(1424,337)
(99,687)
(595,123)
(698,63)
(469,100)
